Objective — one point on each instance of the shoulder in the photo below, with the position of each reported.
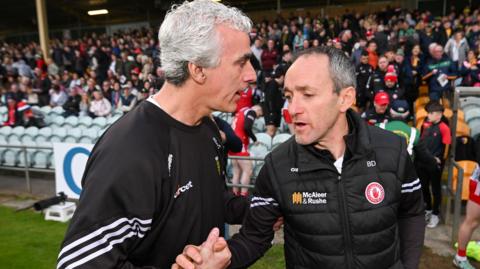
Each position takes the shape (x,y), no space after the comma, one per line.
(383,139)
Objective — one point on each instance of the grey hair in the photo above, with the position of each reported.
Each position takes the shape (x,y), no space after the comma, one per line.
(340,67)
(189,34)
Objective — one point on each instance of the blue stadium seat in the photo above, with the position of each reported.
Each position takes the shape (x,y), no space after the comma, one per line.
(5,131)
(71,122)
(26,138)
(259,125)
(30,153)
(19,131)
(472,113)
(58,135)
(10,155)
(32,131)
(40,157)
(46,110)
(264,139)
(100,122)
(279,139)
(58,121)
(84,121)
(113,119)
(58,110)
(474,126)
(259,150)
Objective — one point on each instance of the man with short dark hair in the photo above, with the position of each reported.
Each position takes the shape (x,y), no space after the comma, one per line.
(348,191)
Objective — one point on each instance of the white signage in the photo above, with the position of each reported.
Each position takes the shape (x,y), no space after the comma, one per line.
(70,162)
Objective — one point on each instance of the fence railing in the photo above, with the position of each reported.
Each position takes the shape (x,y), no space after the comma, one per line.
(457,195)
(27,169)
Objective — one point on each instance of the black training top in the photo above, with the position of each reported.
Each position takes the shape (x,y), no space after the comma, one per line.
(151,186)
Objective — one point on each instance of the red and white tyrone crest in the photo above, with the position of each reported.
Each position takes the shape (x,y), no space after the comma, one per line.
(374,193)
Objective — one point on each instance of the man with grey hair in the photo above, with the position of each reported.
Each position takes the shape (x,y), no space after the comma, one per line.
(347,191)
(155,180)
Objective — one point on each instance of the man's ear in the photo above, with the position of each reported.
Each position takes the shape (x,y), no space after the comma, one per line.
(347,98)
(196,73)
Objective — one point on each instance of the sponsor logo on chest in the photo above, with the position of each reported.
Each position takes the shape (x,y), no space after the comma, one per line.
(309,198)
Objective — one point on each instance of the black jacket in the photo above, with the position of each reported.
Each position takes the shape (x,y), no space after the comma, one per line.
(368,216)
(151,186)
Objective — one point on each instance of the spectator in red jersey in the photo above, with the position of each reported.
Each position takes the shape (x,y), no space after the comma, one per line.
(242,125)
(436,135)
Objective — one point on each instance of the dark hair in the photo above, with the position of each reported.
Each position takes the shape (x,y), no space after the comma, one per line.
(433,106)
(341,69)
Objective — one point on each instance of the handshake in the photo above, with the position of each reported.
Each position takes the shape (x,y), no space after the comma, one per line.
(212,254)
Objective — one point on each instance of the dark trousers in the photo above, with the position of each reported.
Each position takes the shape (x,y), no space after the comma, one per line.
(431,177)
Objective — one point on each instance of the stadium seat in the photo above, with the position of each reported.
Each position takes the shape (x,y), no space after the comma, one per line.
(40,157)
(71,122)
(117,113)
(46,110)
(279,139)
(259,125)
(30,152)
(101,132)
(58,121)
(462,129)
(421,102)
(9,157)
(423,90)
(18,131)
(5,131)
(58,110)
(113,119)
(85,121)
(469,101)
(474,127)
(472,113)
(26,138)
(101,122)
(445,102)
(91,133)
(264,139)
(75,132)
(58,135)
(13,138)
(258,150)
(468,168)
(86,140)
(32,131)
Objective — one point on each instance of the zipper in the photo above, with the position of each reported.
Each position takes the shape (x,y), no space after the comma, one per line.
(344,219)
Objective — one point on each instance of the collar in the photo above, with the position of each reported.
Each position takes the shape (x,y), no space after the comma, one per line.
(309,158)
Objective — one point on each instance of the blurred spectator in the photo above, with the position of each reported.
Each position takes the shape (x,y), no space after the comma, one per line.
(437,72)
(58,97)
(436,135)
(457,48)
(72,105)
(99,106)
(379,112)
(392,87)
(257,49)
(269,56)
(84,105)
(372,54)
(127,100)
(363,72)
(469,70)
(274,100)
